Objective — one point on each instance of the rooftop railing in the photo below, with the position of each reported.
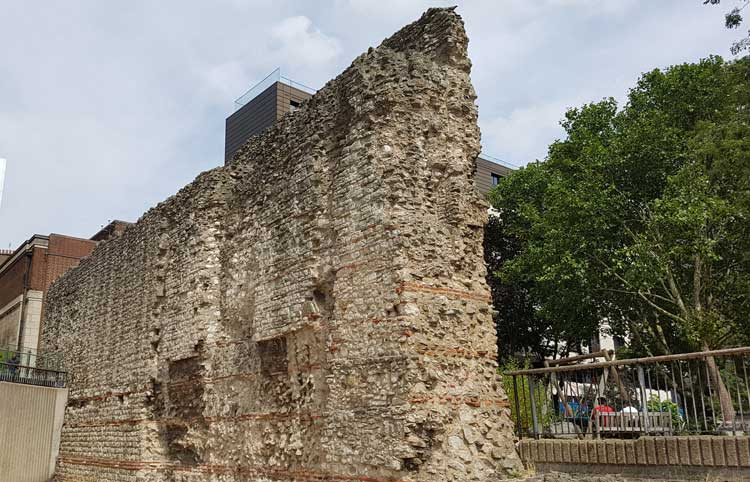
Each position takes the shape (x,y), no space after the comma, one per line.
(499,161)
(693,393)
(272,78)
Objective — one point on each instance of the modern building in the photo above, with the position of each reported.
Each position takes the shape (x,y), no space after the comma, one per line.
(275,96)
(489,171)
(27,273)
(260,107)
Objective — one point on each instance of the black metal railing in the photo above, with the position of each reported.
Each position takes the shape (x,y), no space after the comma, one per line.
(693,393)
(14,373)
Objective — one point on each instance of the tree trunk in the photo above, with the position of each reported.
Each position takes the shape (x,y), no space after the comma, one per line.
(725,399)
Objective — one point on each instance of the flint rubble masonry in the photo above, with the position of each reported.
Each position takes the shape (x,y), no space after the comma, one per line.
(314,310)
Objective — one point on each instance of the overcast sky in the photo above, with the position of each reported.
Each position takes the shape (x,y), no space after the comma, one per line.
(107,108)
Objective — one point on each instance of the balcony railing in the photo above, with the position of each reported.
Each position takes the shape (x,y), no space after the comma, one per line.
(31,367)
(13,373)
(693,393)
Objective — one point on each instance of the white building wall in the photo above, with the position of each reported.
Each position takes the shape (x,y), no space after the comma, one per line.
(32,321)
(30,423)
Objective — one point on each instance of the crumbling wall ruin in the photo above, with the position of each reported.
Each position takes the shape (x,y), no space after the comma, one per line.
(315,310)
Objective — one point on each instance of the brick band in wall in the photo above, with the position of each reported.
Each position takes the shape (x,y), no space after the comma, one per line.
(318,304)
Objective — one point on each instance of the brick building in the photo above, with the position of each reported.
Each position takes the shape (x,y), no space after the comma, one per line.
(27,273)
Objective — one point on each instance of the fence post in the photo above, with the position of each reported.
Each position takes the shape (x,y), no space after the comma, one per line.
(533,407)
(518,408)
(644,402)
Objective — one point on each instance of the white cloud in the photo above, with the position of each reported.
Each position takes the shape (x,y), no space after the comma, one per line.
(227,79)
(596,7)
(107,109)
(298,42)
(523,134)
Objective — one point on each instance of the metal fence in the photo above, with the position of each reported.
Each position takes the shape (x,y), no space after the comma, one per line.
(31,367)
(694,393)
(14,373)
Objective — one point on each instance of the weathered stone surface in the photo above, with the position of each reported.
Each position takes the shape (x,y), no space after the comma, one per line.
(315,310)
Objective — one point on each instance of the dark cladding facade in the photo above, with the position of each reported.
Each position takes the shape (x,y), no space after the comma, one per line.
(488,173)
(260,113)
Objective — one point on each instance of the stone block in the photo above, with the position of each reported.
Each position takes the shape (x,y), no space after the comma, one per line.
(591,450)
(650,448)
(696,453)
(743,451)
(525,447)
(683,448)
(730,449)
(601,451)
(619,450)
(575,454)
(567,457)
(583,452)
(611,450)
(640,452)
(630,452)
(549,449)
(717,445)
(538,447)
(707,452)
(557,447)
(673,451)
(660,449)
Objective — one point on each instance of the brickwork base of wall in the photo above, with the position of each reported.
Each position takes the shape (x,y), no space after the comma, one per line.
(635,473)
(648,458)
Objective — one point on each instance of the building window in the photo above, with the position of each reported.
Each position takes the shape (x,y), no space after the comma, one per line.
(293,105)
(495,179)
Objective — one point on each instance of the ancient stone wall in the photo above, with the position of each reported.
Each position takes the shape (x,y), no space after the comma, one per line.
(315,310)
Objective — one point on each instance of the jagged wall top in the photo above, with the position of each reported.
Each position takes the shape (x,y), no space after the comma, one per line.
(314,310)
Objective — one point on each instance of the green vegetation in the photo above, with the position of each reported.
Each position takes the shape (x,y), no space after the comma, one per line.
(733,19)
(666,406)
(523,391)
(640,216)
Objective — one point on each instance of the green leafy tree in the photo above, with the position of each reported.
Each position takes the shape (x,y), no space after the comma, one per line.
(521,326)
(641,216)
(733,19)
